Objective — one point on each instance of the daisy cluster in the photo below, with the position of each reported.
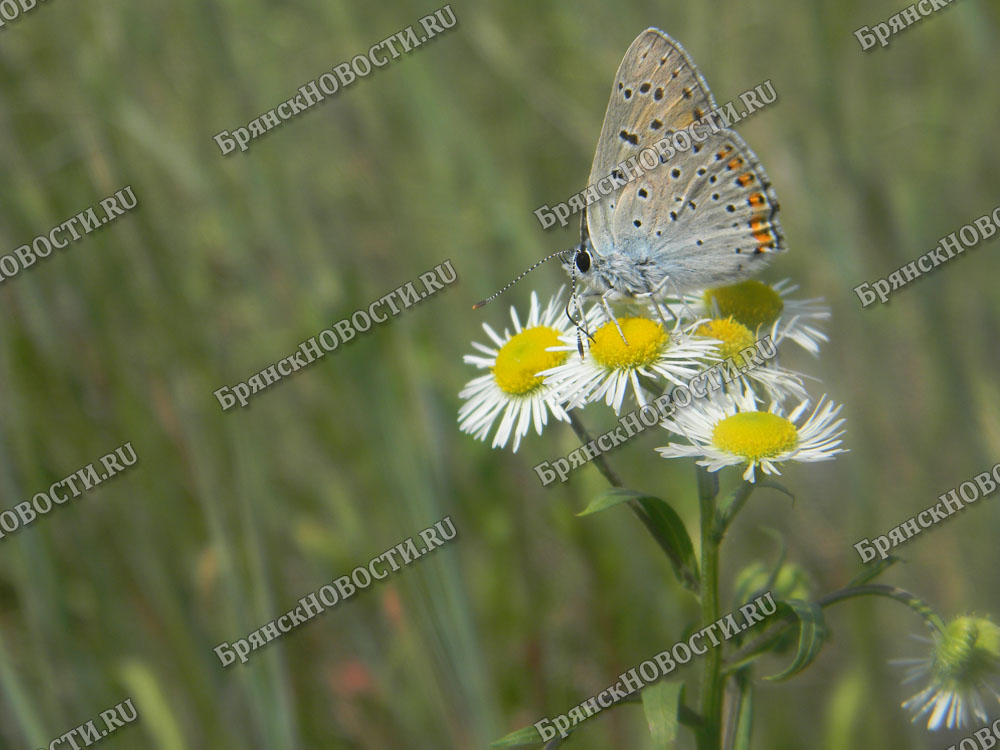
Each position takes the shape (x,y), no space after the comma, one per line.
(532,371)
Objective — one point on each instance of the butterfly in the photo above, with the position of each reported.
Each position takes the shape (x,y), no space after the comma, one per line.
(702,217)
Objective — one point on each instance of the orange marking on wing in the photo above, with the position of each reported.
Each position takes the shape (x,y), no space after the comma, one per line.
(761,231)
(745,179)
(756,200)
(724,153)
(735,162)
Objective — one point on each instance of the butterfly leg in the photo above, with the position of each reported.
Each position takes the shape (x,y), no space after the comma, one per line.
(677,293)
(659,311)
(651,293)
(611,317)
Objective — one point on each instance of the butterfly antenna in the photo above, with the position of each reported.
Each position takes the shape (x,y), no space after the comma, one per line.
(520,276)
(574,299)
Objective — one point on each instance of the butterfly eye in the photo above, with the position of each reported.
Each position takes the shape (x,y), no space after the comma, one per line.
(583,261)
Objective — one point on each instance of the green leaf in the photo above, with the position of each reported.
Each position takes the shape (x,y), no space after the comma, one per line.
(662,522)
(660,703)
(812,636)
(520,738)
(744,719)
(609,499)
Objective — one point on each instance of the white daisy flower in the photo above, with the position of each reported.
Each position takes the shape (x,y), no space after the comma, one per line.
(611,367)
(513,387)
(965,656)
(761,307)
(729,430)
(777,383)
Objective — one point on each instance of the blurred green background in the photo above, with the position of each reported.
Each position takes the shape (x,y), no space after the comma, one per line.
(229,262)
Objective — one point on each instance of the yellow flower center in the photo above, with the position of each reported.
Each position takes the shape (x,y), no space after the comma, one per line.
(753,303)
(646,341)
(735,337)
(755,435)
(523,357)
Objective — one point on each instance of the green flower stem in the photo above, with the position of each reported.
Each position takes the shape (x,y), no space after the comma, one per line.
(685,714)
(600,461)
(712,680)
(931,618)
(762,644)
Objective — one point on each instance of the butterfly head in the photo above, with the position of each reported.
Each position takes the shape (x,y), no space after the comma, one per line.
(578,264)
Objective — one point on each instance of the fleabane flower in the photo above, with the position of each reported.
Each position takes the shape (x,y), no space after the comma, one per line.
(964,659)
(765,307)
(513,389)
(734,339)
(611,366)
(730,430)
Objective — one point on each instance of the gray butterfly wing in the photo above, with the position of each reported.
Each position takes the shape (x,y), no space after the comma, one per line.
(656,90)
(706,217)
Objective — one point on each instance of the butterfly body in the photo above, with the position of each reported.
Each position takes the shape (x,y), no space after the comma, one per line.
(701,217)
